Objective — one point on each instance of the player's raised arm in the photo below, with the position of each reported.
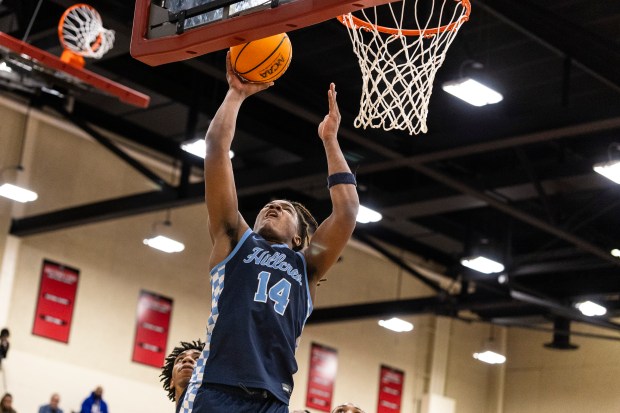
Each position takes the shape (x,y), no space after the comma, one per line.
(333,234)
(225,223)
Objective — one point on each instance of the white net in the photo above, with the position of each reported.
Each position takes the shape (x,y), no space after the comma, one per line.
(399,63)
(82,32)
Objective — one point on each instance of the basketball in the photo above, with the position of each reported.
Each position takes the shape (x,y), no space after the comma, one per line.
(263,60)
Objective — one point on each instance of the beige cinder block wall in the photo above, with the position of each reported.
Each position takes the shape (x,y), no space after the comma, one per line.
(552,381)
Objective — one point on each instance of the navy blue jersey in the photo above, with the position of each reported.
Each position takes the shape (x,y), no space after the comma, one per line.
(260,304)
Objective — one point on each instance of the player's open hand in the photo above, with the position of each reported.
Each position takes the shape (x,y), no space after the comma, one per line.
(239,84)
(328,129)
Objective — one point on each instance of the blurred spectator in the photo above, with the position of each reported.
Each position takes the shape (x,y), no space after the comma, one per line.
(94,403)
(6,404)
(52,407)
(4,343)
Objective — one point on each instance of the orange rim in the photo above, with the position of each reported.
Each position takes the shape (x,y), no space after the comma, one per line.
(409,32)
(61,23)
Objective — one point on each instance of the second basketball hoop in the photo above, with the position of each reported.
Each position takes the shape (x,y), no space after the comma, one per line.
(399,63)
(82,34)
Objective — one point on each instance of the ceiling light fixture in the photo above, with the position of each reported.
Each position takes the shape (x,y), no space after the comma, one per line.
(161,238)
(12,190)
(490,357)
(198,147)
(472,92)
(615,252)
(472,85)
(165,244)
(591,309)
(396,324)
(611,168)
(482,264)
(17,193)
(491,354)
(366,215)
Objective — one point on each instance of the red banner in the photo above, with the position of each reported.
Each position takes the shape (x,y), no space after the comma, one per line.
(390,390)
(57,291)
(323,368)
(152,325)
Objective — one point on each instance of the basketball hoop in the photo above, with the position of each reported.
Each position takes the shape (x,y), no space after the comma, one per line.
(82,34)
(399,63)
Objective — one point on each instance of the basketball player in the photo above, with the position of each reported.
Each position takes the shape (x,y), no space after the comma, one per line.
(263,281)
(178,368)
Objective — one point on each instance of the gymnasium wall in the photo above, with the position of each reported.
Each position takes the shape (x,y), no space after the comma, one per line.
(541,380)
(69,169)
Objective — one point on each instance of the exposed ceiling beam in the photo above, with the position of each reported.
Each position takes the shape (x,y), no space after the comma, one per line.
(432,284)
(564,265)
(572,131)
(595,54)
(396,158)
(96,212)
(426,305)
(518,214)
(437,305)
(249,183)
(442,305)
(405,242)
(106,143)
(540,190)
(31,225)
(132,132)
(511,322)
(562,310)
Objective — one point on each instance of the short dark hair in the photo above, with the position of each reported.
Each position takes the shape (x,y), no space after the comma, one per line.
(166,369)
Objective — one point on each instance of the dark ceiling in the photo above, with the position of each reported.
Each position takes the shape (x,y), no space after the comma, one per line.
(516,175)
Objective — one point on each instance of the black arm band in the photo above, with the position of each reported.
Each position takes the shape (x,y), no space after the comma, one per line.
(341,178)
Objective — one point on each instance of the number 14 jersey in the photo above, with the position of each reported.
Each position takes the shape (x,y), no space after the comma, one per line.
(260,304)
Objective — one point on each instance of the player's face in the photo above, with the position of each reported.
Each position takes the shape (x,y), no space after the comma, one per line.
(278,222)
(182,369)
(347,408)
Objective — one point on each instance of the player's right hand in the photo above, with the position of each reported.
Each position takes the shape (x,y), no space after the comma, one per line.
(241,85)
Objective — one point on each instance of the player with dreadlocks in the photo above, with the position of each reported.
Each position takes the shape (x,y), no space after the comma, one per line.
(263,279)
(178,368)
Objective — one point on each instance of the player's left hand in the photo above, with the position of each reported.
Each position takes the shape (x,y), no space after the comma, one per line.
(328,128)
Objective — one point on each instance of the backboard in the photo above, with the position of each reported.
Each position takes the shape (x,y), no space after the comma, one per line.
(167,31)
(27,68)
